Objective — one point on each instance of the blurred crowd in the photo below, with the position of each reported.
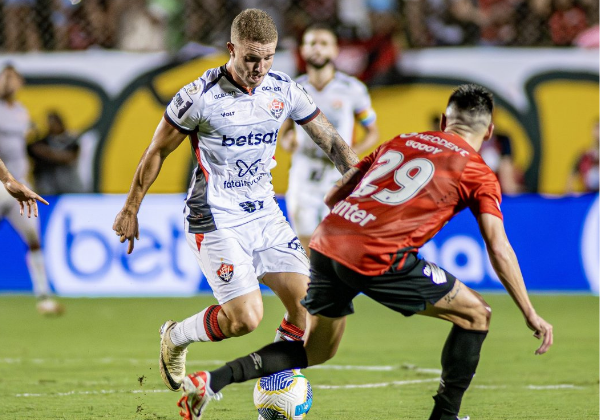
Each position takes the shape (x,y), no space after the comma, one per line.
(379,26)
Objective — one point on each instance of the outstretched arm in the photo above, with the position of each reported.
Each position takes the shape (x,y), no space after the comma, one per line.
(328,139)
(166,139)
(504,261)
(20,192)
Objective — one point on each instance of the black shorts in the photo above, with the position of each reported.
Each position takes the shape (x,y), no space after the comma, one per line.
(333,286)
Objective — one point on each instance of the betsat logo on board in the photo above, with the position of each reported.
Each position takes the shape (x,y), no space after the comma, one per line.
(85,257)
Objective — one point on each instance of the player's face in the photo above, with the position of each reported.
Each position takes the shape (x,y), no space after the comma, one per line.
(10,83)
(319,48)
(251,61)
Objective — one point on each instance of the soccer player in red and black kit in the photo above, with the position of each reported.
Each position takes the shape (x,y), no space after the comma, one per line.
(382,211)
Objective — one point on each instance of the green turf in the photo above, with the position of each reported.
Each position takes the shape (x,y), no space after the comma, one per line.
(99,361)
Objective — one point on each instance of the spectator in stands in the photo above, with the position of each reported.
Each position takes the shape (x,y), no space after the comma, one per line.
(141,27)
(586,169)
(55,159)
(531,23)
(497,21)
(567,21)
(442,22)
(20,26)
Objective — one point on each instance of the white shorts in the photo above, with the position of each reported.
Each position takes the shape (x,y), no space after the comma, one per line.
(306,192)
(233,260)
(26,227)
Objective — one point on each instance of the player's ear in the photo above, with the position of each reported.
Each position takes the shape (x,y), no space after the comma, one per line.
(489,132)
(443,122)
(231,49)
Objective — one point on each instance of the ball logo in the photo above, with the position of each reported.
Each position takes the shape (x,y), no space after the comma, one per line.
(225,272)
(276,108)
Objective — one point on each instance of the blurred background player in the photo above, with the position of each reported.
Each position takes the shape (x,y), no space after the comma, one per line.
(55,159)
(233,224)
(383,210)
(344,100)
(586,169)
(14,125)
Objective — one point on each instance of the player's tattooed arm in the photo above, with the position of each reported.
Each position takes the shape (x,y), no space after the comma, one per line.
(327,138)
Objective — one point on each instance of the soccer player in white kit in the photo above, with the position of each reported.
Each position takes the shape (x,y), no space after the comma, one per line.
(232,115)
(344,100)
(14,124)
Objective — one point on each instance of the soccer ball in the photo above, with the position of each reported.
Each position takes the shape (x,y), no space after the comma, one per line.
(285,395)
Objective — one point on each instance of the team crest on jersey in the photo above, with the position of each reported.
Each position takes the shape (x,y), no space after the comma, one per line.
(276,108)
(225,272)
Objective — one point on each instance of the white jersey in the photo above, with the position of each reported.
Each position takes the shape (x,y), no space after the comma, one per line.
(14,124)
(233,134)
(343,100)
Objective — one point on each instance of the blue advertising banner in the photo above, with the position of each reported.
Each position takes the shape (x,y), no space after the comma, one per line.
(555,239)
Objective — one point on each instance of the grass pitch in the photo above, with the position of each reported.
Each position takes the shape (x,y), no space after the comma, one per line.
(100,361)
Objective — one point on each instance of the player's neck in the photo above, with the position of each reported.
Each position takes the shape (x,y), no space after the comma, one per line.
(475,140)
(319,78)
(229,69)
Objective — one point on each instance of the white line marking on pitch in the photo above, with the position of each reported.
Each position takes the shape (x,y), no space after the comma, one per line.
(379,385)
(332,387)
(109,360)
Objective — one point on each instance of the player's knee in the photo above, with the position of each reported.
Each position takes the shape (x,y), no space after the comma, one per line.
(481,317)
(245,325)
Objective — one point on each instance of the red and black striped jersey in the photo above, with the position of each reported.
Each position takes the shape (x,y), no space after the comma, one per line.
(411,187)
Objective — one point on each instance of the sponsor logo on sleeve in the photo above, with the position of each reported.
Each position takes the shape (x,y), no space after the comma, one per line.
(181,103)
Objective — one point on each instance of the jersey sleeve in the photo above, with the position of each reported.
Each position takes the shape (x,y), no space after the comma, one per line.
(364,112)
(481,189)
(183,112)
(303,108)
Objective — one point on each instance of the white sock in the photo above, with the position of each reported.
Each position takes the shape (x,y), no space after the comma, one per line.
(37,272)
(194,328)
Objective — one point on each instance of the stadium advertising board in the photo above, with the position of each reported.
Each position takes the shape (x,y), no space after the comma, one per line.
(556,240)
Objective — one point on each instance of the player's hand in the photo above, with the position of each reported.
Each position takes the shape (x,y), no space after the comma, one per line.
(542,330)
(126,227)
(24,196)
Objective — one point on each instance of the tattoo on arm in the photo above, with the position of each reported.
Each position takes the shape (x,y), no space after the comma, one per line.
(450,296)
(327,138)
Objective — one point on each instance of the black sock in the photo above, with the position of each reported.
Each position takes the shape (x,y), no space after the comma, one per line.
(460,357)
(272,358)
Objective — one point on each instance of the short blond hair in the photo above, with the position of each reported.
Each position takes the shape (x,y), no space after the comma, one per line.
(254,25)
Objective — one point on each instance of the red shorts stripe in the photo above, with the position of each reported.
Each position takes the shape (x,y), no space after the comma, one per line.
(199,239)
